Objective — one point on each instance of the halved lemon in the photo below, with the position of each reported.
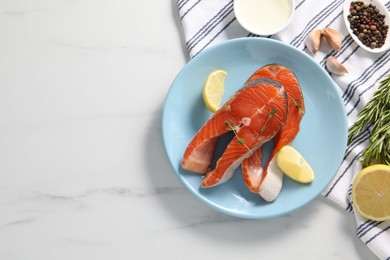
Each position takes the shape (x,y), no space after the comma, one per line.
(213,90)
(292,163)
(371,192)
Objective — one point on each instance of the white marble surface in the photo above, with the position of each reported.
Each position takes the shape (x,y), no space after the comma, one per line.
(83,171)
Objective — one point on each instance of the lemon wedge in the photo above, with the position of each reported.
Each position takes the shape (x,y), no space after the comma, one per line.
(371,192)
(292,163)
(213,90)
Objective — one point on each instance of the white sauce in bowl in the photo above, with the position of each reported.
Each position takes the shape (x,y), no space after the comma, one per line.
(264,17)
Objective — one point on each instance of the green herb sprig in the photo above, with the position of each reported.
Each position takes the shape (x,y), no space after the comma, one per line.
(239,140)
(375,115)
(270,115)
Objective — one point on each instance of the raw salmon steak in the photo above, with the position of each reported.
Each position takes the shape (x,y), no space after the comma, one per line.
(268,181)
(255,113)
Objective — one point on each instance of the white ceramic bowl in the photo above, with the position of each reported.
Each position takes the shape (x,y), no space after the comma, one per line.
(264,17)
(382,8)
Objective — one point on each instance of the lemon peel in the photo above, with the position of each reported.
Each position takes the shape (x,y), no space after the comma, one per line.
(213,90)
(294,165)
(371,192)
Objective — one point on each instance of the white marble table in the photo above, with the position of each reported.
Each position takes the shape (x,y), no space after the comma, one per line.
(83,171)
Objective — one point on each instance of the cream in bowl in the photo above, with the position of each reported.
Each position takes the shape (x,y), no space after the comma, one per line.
(264,17)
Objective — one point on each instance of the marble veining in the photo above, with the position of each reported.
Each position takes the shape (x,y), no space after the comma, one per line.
(19,222)
(83,170)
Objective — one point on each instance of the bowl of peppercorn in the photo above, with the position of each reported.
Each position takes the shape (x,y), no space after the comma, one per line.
(367,22)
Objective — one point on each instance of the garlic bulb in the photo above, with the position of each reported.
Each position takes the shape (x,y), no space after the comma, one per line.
(335,67)
(333,37)
(313,40)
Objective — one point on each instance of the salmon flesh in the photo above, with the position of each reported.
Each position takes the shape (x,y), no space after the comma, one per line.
(255,113)
(268,181)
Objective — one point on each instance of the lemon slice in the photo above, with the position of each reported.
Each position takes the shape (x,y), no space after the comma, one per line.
(213,90)
(292,163)
(371,192)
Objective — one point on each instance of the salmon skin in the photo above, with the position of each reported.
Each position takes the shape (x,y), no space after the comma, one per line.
(268,181)
(255,113)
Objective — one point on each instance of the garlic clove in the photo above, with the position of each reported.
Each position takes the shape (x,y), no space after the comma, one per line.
(333,37)
(335,67)
(313,40)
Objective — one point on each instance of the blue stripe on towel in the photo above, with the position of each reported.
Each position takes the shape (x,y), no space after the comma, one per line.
(365,75)
(216,35)
(181,3)
(377,234)
(189,9)
(365,90)
(211,24)
(366,227)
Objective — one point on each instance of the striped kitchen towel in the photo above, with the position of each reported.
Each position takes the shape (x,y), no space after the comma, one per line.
(207,22)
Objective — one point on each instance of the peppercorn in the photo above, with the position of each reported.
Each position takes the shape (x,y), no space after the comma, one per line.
(368,24)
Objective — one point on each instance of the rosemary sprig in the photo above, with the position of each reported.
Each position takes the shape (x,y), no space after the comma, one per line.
(375,115)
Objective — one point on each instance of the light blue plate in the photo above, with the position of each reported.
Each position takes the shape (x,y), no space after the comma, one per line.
(322,139)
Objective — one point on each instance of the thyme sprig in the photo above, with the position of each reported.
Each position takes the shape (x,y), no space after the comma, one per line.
(270,115)
(297,105)
(376,116)
(239,139)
